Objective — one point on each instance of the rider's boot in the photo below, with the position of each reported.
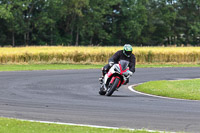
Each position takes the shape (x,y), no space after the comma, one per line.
(102,77)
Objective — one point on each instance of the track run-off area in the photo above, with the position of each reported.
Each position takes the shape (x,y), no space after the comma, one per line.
(71,96)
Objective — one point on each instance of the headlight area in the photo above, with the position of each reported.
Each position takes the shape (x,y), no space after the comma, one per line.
(117,69)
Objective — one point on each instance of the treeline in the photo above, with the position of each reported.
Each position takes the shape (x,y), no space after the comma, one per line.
(99,22)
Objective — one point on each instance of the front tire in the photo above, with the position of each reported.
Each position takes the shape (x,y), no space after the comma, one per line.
(113,87)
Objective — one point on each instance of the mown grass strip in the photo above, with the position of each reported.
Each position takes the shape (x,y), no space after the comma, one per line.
(182,89)
(18,126)
(29,67)
(166,65)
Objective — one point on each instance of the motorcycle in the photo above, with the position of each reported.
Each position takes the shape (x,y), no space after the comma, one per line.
(116,76)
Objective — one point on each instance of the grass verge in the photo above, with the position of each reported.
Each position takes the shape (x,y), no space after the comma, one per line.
(28,67)
(18,126)
(166,65)
(182,89)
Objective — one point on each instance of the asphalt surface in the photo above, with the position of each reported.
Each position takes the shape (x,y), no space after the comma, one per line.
(72,96)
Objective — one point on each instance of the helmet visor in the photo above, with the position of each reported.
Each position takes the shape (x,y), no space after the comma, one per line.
(128,53)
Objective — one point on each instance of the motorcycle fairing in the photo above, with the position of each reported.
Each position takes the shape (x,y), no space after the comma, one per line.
(124,64)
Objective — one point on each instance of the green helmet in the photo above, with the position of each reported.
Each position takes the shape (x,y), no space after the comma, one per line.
(127,50)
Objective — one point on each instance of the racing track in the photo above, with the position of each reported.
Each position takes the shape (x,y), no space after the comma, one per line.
(72,96)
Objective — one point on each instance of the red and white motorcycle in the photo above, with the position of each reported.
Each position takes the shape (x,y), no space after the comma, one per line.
(116,76)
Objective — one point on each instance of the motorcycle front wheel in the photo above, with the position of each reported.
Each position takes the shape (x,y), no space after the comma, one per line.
(113,87)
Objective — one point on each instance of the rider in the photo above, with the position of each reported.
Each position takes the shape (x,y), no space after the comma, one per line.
(125,54)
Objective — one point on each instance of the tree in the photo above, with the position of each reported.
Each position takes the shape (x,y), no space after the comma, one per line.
(95,21)
(188,20)
(99,22)
(71,21)
(45,16)
(15,17)
(161,21)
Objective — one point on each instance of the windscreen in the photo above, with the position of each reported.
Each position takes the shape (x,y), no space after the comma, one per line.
(124,64)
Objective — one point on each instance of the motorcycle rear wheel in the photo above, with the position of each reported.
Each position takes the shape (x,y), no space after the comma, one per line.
(113,87)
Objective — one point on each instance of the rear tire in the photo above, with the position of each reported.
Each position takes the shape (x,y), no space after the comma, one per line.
(113,87)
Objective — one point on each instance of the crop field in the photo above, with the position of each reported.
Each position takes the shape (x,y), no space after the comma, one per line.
(98,55)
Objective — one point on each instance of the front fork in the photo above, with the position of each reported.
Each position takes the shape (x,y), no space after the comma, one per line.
(111,82)
(113,79)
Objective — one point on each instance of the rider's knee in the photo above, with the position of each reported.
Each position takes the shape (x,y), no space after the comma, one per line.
(105,69)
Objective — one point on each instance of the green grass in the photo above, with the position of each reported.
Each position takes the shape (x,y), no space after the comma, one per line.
(18,126)
(166,65)
(46,67)
(26,67)
(182,89)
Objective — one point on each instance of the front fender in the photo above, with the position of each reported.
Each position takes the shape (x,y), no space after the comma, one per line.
(112,78)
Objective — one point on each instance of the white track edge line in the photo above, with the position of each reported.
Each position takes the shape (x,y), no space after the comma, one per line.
(94,126)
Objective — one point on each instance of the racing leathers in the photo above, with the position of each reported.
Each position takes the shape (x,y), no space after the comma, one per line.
(119,55)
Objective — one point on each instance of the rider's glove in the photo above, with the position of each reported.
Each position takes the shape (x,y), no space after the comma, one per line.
(130,73)
(111,63)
